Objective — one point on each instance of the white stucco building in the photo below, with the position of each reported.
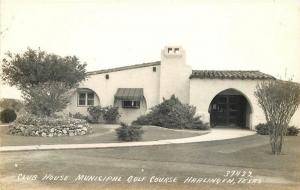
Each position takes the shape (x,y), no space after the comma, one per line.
(221,97)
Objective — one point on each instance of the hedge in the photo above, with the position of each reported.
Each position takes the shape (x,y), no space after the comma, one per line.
(263,129)
(7,116)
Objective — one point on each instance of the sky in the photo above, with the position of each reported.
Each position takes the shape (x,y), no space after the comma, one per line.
(217,35)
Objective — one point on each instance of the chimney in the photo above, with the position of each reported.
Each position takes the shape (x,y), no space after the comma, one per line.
(174,74)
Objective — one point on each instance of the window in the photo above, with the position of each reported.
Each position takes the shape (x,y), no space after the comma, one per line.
(170,50)
(131,104)
(81,99)
(154,69)
(221,99)
(107,76)
(176,50)
(90,99)
(86,98)
(234,99)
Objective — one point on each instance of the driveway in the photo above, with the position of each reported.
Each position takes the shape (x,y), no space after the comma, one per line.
(214,135)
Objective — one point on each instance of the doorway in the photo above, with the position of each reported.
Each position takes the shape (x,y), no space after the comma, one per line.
(229,109)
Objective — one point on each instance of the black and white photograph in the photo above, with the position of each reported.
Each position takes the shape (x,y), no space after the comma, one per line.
(140,94)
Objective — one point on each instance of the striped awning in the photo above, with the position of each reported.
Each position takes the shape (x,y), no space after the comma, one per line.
(129,94)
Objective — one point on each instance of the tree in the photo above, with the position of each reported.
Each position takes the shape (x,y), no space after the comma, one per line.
(44,99)
(36,66)
(44,79)
(279,101)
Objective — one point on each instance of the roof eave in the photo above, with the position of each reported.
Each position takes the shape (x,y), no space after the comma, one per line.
(124,68)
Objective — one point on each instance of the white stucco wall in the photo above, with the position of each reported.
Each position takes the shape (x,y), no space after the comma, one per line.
(296,119)
(131,78)
(202,91)
(130,114)
(73,106)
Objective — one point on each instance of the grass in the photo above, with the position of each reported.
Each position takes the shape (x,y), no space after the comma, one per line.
(102,134)
(207,159)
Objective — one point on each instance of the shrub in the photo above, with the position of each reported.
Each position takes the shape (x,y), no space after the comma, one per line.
(129,133)
(111,114)
(8,115)
(263,129)
(32,125)
(96,113)
(292,131)
(171,113)
(78,115)
(199,125)
(144,120)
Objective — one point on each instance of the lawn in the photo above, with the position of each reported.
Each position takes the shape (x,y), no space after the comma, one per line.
(101,134)
(206,159)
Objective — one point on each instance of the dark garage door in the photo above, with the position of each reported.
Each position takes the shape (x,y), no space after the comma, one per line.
(228,110)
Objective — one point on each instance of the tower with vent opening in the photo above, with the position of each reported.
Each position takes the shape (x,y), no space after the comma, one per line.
(174,74)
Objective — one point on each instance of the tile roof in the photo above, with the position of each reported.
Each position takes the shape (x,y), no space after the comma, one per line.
(214,74)
(200,74)
(124,68)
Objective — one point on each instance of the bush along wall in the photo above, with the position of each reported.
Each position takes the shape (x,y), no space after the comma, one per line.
(31,125)
(111,114)
(171,113)
(7,116)
(98,114)
(78,115)
(263,129)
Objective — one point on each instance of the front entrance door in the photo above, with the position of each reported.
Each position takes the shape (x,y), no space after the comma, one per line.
(228,110)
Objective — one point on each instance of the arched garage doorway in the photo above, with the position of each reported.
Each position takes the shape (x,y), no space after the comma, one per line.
(230,108)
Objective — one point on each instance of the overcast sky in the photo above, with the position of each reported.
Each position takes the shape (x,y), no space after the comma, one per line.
(219,35)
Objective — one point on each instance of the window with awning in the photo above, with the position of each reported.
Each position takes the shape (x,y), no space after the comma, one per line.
(130,97)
